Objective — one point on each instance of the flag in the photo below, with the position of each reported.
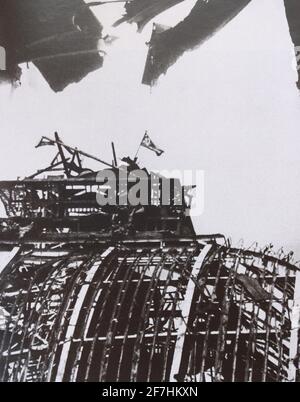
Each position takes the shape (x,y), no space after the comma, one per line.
(149,144)
(45,141)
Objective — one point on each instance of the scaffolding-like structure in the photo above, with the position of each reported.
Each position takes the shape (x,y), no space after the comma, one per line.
(88,294)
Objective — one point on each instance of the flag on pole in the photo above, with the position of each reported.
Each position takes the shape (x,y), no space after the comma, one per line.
(149,144)
(45,141)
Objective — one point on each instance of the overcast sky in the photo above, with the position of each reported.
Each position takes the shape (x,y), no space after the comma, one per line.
(231,108)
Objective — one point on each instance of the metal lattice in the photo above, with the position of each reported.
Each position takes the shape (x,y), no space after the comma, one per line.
(136,312)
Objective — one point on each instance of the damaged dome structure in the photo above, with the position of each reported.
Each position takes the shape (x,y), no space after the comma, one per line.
(131,293)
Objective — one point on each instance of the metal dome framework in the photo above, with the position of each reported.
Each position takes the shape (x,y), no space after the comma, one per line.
(147,311)
(119,294)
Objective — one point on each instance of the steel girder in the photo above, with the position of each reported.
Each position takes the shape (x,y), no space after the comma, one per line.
(197,311)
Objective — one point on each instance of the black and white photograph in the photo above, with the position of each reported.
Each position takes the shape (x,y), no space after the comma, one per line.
(149,193)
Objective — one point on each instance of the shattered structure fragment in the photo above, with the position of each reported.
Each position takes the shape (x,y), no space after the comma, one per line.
(92,293)
(59,36)
(204,20)
(143,11)
(167,45)
(293,16)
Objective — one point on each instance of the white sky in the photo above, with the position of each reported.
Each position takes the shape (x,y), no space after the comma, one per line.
(230,108)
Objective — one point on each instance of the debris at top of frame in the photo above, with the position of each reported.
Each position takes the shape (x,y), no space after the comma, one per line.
(62,37)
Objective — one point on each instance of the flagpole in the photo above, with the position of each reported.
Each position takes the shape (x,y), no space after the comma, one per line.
(135,158)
